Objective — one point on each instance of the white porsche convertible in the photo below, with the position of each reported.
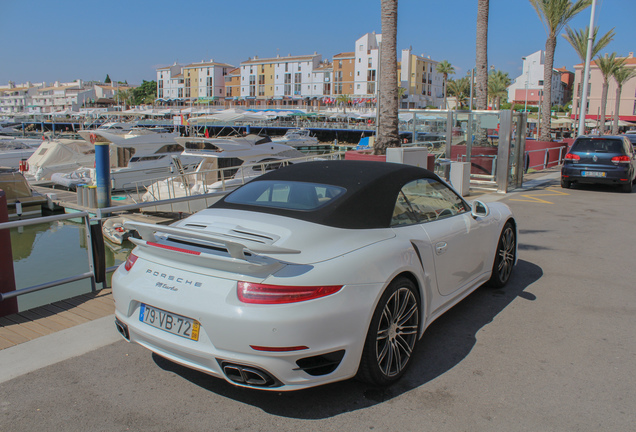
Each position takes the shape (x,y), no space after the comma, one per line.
(311,274)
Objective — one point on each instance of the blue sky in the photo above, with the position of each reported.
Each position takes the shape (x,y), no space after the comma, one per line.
(62,40)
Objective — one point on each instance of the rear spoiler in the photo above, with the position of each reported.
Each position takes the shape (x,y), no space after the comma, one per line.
(236,247)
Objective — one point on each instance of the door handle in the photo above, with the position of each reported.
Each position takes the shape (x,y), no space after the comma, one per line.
(440,248)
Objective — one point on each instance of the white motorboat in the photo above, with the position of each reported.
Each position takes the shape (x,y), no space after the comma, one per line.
(59,156)
(114,231)
(300,137)
(138,157)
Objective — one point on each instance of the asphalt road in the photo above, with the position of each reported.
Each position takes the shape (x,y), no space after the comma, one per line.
(553,351)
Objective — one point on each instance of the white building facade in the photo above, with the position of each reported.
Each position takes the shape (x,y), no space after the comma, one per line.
(170,83)
(17,98)
(423,85)
(367,54)
(528,87)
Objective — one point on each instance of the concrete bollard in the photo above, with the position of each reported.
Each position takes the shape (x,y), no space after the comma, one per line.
(80,195)
(92,196)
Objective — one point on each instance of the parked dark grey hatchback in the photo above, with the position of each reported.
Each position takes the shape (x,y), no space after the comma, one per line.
(600,159)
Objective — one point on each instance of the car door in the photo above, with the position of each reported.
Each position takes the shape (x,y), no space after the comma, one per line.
(457,240)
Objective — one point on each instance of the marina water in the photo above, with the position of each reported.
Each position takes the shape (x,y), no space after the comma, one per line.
(51,251)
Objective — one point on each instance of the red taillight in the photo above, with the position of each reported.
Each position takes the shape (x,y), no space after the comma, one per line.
(130,261)
(573,157)
(621,159)
(172,248)
(276,294)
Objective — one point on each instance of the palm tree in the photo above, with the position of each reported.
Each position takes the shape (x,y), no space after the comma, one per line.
(578,40)
(554,14)
(607,66)
(498,83)
(124,97)
(343,100)
(621,74)
(401,93)
(446,69)
(459,88)
(481,73)
(388,135)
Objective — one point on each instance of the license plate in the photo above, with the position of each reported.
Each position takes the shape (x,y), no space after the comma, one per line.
(170,322)
(593,173)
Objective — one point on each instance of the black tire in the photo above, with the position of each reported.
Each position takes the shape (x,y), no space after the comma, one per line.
(565,184)
(392,335)
(626,188)
(504,257)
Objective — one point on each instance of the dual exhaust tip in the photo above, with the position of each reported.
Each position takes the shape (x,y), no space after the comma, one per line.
(248,375)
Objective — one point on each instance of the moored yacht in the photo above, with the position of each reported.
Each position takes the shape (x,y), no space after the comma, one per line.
(297,138)
(138,157)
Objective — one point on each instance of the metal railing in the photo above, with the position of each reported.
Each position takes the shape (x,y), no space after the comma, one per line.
(90,274)
(546,158)
(180,185)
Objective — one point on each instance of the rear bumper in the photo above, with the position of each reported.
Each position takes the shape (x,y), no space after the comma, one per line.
(614,176)
(332,330)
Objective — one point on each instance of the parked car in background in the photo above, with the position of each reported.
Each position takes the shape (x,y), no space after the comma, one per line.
(600,160)
(314,273)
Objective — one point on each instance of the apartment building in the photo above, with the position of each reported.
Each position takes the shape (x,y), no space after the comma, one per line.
(627,106)
(288,79)
(344,69)
(301,79)
(205,81)
(423,85)
(528,87)
(16,98)
(366,65)
(233,84)
(322,81)
(66,96)
(170,83)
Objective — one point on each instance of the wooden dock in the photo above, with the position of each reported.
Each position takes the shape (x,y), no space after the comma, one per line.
(28,325)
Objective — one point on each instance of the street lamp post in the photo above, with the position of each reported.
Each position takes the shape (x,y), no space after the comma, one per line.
(525,106)
(472,79)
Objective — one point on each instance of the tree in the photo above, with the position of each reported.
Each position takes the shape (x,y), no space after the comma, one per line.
(621,74)
(578,40)
(107,79)
(146,93)
(554,14)
(498,83)
(459,88)
(343,100)
(481,73)
(446,69)
(607,66)
(388,135)
(124,97)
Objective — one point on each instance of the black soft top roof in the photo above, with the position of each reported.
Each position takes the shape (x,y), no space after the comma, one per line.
(369,200)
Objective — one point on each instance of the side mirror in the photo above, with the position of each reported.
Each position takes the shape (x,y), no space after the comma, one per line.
(479,210)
